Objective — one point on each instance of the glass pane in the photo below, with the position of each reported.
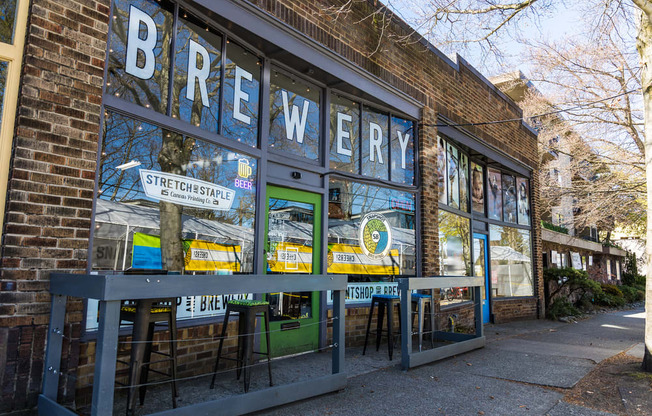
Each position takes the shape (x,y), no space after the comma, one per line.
(139,52)
(294,117)
(241,95)
(345,131)
(441,169)
(375,142)
(453,177)
(454,244)
(198,59)
(7,20)
(477,187)
(289,250)
(479,262)
(4,68)
(402,151)
(511,265)
(523,201)
(464,182)
(452,295)
(172,202)
(371,231)
(509,192)
(495,195)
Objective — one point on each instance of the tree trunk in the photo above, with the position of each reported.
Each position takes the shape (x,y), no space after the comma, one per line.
(644,47)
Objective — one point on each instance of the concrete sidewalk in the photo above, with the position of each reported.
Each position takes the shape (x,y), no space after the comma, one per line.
(507,377)
(504,378)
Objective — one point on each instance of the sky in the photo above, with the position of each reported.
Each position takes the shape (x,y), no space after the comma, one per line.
(558,23)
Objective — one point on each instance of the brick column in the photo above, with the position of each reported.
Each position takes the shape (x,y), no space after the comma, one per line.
(51,185)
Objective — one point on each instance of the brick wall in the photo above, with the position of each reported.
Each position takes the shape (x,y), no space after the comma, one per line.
(505,310)
(51,182)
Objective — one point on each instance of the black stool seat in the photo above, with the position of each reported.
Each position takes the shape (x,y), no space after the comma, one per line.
(144,314)
(248,310)
(384,302)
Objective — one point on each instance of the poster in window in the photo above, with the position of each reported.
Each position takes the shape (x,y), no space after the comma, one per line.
(441,168)
(523,201)
(477,187)
(453,177)
(464,182)
(509,199)
(495,195)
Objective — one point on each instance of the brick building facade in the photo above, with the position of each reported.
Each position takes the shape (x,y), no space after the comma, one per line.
(52,187)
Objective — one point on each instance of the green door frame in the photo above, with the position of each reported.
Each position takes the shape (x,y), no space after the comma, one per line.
(306,336)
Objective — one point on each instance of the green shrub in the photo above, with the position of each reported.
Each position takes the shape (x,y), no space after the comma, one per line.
(611,296)
(552,227)
(561,307)
(577,282)
(632,294)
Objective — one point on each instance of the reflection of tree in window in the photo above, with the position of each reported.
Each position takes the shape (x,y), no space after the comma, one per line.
(454,229)
(294,101)
(7,20)
(191,39)
(152,92)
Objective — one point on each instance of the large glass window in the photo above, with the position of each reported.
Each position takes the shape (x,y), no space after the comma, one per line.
(241,95)
(198,58)
(7,20)
(509,198)
(345,131)
(495,195)
(442,175)
(172,202)
(139,52)
(454,244)
(402,156)
(371,231)
(477,187)
(523,201)
(294,116)
(375,143)
(511,262)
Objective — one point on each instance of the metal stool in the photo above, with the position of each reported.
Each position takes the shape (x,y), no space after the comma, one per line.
(385,302)
(248,310)
(419,302)
(144,314)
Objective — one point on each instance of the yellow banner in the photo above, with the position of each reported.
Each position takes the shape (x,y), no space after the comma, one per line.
(290,258)
(349,259)
(207,256)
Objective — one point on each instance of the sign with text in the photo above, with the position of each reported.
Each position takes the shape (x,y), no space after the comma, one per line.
(362,292)
(186,191)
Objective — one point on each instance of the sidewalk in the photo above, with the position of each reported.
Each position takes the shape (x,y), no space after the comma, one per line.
(525,369)
(507,377)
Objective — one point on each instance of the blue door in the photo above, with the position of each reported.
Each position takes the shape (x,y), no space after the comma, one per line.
(480,269)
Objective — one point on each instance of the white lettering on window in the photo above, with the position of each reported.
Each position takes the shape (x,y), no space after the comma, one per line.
(342,134)
(196,73)
(239,95)
(403,141)
(135,43)
(294,122)
(375,141)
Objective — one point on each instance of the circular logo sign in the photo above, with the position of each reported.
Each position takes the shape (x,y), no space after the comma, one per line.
(375,236)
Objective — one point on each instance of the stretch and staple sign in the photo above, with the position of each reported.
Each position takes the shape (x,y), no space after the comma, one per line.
(187,191)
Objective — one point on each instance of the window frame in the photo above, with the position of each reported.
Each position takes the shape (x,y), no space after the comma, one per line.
(13,54)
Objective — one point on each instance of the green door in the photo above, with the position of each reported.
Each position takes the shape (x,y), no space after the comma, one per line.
(292,245)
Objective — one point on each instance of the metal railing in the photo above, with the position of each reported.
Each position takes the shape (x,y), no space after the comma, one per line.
(459,343)
(110,290)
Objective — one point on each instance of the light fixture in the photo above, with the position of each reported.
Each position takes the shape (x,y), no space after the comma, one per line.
(128,165)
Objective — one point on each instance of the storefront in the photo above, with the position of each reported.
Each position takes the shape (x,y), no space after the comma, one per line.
(228,139)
